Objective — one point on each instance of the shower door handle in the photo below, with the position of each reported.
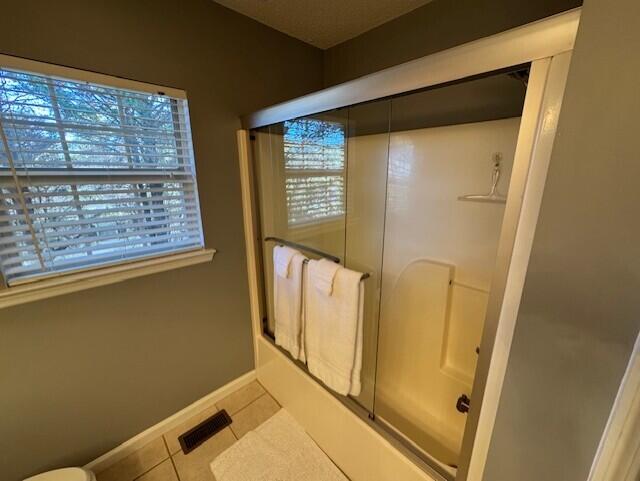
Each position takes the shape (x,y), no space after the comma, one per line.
(463,404)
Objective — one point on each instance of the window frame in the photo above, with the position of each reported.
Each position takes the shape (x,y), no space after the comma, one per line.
(60,282)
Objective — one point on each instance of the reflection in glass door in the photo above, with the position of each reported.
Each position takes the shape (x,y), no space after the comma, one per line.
(397,189)
(439,253)
(368,154)
(321,187)
(301,182)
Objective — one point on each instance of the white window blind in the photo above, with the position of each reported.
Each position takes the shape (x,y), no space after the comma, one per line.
(314,162)
(91,175)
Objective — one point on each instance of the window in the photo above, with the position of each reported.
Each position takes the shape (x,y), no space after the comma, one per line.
(314,164)
(91,175)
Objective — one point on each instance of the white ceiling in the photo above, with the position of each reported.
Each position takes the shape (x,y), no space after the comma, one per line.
(323,23)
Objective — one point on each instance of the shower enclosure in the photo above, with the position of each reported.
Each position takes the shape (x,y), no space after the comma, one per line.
(414,190)
(381,187)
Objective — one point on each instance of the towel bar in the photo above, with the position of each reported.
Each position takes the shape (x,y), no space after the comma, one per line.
(317,252)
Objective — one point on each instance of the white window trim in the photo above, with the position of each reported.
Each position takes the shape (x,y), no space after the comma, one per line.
(77,281)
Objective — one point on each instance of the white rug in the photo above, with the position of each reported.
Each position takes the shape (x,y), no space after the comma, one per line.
(277,450)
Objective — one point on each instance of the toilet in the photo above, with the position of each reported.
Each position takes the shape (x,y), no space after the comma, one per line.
(64,474)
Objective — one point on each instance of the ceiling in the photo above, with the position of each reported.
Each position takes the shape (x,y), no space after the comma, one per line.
(323,23)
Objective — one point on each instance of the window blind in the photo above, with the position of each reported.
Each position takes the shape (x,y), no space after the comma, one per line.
(91,175)
(314,164)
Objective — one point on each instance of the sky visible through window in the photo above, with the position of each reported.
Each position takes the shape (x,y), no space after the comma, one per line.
(91,175)
(314,155)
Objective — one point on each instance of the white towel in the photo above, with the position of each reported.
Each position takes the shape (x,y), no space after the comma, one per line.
(325,274)
(333,330)
(287,301)
(282,256)
(278,449)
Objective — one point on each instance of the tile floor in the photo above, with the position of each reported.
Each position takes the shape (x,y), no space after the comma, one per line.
(163,460)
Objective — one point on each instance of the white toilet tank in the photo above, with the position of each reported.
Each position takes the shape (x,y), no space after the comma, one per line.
(64,474)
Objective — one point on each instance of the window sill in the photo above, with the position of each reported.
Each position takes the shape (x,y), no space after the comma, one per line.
(56,286)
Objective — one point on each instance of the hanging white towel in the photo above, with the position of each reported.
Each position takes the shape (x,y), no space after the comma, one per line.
(282,256)
(333,330)
(287,300)
(325,274)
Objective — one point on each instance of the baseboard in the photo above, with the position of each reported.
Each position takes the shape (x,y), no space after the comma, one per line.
(146,436)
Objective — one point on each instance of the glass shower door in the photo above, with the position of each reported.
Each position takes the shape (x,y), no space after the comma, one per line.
(440,252)
(321,183)
(367,168)
(383,187)
(301,167)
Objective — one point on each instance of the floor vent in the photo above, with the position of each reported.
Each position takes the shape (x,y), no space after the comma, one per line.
(197,435)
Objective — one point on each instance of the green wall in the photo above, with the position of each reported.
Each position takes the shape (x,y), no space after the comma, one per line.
(83,372)
(436,26)
(579,315)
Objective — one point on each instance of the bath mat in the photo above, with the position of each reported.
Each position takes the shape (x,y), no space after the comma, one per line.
(277,450)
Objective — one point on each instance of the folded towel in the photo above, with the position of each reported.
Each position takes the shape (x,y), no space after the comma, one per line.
(325,275)
(279,449)
(287,303)
(282,256)
(333,329)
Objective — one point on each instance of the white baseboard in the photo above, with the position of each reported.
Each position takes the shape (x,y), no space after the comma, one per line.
(146,436)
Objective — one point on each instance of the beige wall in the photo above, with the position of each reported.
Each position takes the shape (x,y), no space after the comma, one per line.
(580,314)
(83,372)
(435,26)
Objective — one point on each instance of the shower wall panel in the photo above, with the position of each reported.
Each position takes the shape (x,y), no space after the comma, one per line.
(439,256)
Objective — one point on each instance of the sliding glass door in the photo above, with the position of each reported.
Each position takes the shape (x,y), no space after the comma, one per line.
(410,190)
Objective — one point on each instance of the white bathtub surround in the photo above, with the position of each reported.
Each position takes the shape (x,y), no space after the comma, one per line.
(333,329)
(287,297)
(278,449)
(360,452)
